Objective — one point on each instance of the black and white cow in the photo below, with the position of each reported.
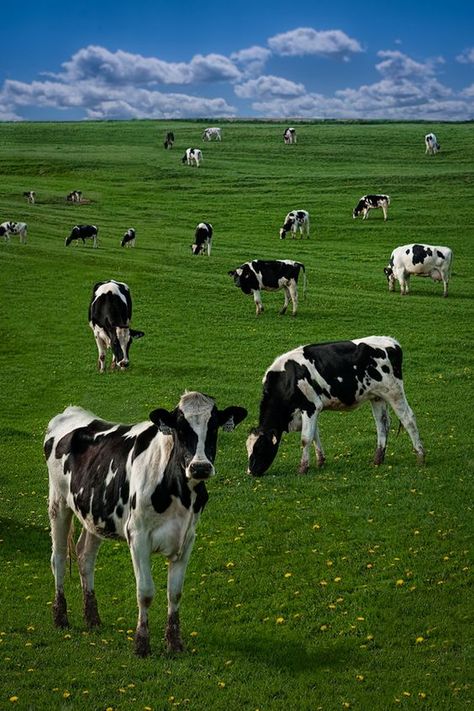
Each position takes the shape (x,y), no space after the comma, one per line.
(329,376)
(74,196)
(144,483)
(83,232)
(192,156)
(296,221)
(371,202)
(7,229)
(30,196)
(213,132)
(202,239)
(431,144)
(129,238)
(260,275)
(420,260)
(289,136)
(110,312)
(169,140)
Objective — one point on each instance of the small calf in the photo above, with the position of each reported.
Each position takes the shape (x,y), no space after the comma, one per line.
(14,228)
(129,238)
(371,202)
(192,156)
(202,239)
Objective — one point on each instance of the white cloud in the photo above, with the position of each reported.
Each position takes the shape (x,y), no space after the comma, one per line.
(397,65)
(268,86)
(306,40)
(466,57)
(251,60)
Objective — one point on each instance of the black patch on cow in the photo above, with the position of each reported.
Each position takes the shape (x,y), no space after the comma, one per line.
(119,511)
(144,440)
(201,497)
(48,447)
(281,397)
(440,254)
(395,356)
(420,252)
(133,501)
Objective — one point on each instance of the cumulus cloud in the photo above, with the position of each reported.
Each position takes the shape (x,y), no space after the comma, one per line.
(268,86)
(251,60)
(466,57)
(397,65)
(306,40)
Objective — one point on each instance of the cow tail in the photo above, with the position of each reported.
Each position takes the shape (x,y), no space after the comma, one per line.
(71,546)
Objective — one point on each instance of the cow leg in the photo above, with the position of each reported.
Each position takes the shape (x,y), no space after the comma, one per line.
(384,210)
(382,423)
(318,447)
(176,573)
(445,285)
(141,552)
(308,431)
(287,301)
(60,516)
(293,289)
(87,548)
(407,418)
(257,297)
(102,348)
(209,248)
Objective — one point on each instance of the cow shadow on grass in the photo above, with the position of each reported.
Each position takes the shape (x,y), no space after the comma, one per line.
(289,655)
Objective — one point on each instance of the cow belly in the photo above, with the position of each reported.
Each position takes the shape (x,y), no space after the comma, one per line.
(171,537)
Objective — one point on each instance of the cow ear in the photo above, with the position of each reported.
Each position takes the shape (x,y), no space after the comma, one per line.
(166,421)
(136,334)
(231,273)
(231,417)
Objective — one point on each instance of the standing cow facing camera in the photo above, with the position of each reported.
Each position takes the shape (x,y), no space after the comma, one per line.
(202,239)
(192,156)
(431,144)
(110,312)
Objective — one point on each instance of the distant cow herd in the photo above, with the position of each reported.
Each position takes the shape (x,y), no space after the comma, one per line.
(145,482)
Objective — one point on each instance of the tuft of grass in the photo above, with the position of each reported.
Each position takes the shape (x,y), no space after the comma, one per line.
(350,587)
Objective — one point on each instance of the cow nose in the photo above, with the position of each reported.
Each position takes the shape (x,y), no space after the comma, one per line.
(124,364)
(200,470)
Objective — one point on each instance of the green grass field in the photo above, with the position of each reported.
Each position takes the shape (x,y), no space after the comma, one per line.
(350,587)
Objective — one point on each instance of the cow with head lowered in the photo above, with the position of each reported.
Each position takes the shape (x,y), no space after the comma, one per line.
(270,275)
(144,483)
(371,202)
(342,375)
(296,221)
(421,260)
(83,232)
(110,312)
(202,239)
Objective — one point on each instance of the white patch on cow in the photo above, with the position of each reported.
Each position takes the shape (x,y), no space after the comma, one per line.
(250,443)
(113,287)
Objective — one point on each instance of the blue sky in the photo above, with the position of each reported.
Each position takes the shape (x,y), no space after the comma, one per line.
(278,59)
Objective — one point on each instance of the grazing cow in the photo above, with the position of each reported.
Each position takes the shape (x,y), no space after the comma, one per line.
(7,229)
(129,238)
(329,376)
(83,232)
(296,220)
(420,260)
(169,140)
(371,202)
(144,483)
(209,133)
(110,312)
(431,143)
(74,196)
(289,135)
(258,275)
(192,156)
(202,239)
(30,196)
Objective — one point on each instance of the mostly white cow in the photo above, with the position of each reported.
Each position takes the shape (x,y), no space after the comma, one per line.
(83,232)
(371,202)
(30,196)
(213,132)
(144,483)
(8,229)
(329,376)
(128,240)
(110,312)
(202,239)
(289,135)
(192,156)
(296,221)
(431,144)
(260,275)
(420,260)
(169,140)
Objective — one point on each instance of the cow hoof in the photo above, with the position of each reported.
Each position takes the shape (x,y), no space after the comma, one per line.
(303,468)
(91,612)
(321,461)
(142,644)
(379,456)
(60,611)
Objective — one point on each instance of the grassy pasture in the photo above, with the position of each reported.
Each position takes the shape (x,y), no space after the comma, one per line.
(350,587)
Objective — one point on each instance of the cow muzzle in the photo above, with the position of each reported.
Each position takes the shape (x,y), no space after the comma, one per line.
(123,364)
(200,470)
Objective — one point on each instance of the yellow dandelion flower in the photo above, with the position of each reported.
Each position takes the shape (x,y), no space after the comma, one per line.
(230,564)
(288,575)
(421,695)
(280,620)
(316,526)
(400,582)
(359,677)
(360,619)
(323,628)
(66,694)
(406,693)
(419,640)
(337,580)
(221,684)
(194,634)
(13,699)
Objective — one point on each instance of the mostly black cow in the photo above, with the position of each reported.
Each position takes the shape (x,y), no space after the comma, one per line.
(128,240)
(371,202)
(169,140)
(330,376)
(110,312)
(260,275)
(83,232)
(144,483)
(202,239)
(421,260)
(296,221)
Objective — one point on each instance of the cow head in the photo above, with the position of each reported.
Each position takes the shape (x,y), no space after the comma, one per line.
(194,424)
(198,248)
(121,338)
(244,279)
(388,271)
(74,235)
(262,448)
(359,209)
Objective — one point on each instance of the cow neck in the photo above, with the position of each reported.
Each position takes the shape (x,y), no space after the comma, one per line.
(272,415)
